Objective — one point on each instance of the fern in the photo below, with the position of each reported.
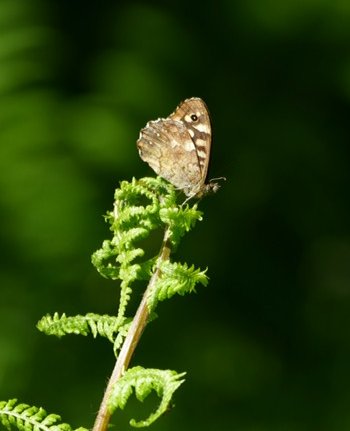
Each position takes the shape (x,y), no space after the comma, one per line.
(163,382)
(140,208)
(175,278)
(180,220)
(105,326)
(27,418)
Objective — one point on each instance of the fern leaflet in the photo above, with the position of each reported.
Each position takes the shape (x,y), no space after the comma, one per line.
(105,326)
(163,382)
(30,418)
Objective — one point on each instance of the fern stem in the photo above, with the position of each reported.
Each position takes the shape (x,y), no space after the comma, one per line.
(136,329)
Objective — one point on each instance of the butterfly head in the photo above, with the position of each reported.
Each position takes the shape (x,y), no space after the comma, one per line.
(209,188)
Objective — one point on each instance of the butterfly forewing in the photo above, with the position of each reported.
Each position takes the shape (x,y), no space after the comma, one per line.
(178,147)
(194,113)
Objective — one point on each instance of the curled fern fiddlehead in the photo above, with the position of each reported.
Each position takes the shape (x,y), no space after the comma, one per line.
(143,381)
(134,217)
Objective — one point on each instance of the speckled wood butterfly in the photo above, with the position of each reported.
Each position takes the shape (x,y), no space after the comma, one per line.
(178,147)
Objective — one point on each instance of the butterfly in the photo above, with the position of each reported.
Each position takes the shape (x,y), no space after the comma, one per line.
(178,147)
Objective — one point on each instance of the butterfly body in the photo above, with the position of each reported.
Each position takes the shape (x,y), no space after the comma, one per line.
(178,147)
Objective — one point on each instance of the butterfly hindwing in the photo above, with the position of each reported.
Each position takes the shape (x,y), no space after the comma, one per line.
(166,146)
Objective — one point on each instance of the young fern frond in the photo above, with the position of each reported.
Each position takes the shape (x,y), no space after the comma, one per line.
(29,418)
(143,381)
(105,326)
(175,278)
(140,207)
(180,220)
(134,217)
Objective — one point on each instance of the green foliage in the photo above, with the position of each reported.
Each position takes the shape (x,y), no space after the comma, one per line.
(140,207)
(27,418)
(105,326)
(175,278)
(58,325)
(163,382)
(180,220)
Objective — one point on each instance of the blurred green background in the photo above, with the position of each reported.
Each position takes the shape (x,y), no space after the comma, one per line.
(267,343)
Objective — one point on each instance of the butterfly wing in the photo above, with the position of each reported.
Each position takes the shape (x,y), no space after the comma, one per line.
(195,115)
(178,148)
(167,147)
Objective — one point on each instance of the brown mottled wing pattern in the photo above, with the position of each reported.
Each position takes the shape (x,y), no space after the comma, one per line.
(177,148)
(194,113)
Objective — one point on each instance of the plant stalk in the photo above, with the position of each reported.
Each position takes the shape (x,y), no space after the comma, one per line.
(131,340)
